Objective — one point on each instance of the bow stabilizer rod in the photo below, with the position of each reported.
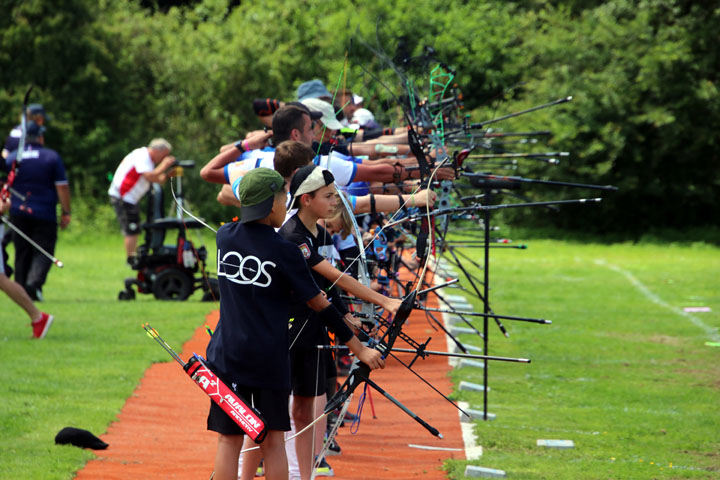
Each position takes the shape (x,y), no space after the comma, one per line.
(57,262)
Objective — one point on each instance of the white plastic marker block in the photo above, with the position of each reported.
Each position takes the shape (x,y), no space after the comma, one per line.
(472,387)
(462,307)
(459,303)
(469,348)
(454,320)
(474,413)
(455,298)
(482,472)
(469,362)
(477,415)
(556,443)
(696,309)
(462,330)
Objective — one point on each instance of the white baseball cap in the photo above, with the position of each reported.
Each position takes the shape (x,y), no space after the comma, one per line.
(328,113)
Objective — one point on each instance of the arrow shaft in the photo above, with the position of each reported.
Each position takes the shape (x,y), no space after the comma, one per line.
(493,315)
(465,355)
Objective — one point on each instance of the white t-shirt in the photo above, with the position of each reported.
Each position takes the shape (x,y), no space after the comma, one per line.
(341,166)
(128,182)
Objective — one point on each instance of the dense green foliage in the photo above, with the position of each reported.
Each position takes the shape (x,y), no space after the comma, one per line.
(644,77)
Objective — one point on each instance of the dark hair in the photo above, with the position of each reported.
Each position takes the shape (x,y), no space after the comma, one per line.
(281,192)
(291,155)
(285,120)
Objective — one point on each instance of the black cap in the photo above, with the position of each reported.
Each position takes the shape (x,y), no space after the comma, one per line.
(80,438)
(37,109)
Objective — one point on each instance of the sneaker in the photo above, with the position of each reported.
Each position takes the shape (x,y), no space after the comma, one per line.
(334,448)
(323,469)
(260,472)
(41,327)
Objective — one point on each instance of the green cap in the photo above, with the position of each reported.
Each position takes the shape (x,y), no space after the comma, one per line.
(256,193)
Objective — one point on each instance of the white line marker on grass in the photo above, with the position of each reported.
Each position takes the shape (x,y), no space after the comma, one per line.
(430,447)
(710,331)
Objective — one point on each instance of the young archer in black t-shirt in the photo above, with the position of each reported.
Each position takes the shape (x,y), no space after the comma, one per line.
(313,193)
(258,272)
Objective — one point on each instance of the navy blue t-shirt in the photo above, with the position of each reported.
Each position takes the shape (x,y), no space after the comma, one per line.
(39,171)
(307,330)
(258,272)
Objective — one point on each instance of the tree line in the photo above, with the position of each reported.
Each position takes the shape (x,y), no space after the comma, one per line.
(643,74)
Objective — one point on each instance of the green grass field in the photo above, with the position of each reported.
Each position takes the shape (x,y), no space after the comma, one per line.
(621,371)
(90,362)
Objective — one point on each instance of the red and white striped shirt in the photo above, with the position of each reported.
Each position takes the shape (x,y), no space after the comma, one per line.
(128,183)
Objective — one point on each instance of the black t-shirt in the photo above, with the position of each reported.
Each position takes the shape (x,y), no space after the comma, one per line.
(258,273)
(314,249)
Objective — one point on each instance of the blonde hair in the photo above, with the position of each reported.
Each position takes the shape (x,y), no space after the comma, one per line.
(343,215)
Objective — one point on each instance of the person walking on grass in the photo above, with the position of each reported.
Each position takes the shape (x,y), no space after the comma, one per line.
(258,272)
(40,321)
(41,183)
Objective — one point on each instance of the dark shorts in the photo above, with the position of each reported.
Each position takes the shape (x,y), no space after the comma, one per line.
(128,216)
(272,405)
(311,371)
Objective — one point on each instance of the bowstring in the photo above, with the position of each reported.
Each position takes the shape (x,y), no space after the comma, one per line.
(179,205)
(205,275)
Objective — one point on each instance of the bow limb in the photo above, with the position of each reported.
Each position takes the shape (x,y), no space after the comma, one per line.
(6,189)
(368,310)
(359,370)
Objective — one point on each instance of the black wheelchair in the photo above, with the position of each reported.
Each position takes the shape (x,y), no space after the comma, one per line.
(170,271)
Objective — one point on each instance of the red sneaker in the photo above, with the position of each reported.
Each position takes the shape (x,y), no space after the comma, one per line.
(41,327)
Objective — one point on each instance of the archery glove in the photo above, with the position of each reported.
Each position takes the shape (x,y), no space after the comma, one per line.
(332,317)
